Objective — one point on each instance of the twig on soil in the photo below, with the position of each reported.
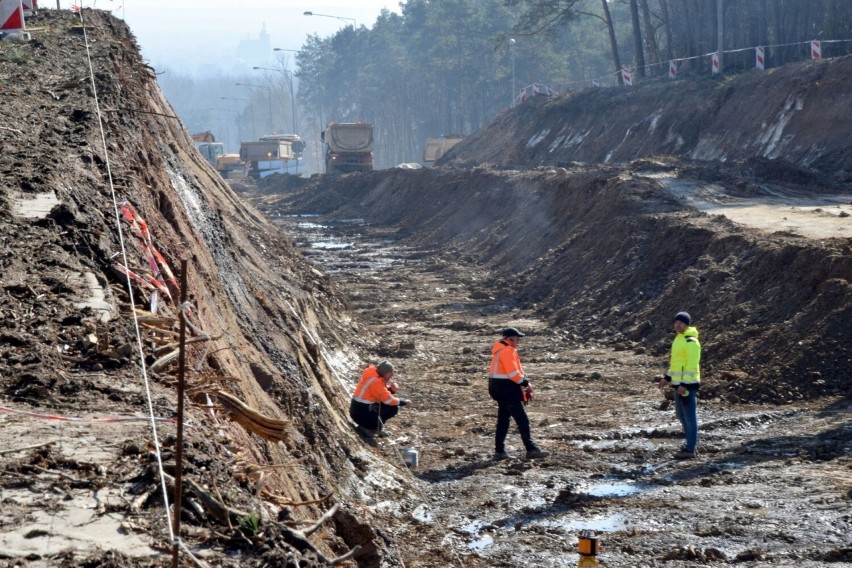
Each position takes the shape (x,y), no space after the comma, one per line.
(4,452)
(219,495)
(11,129)
(59,473)
(160,363)
(282,503)
(299,539)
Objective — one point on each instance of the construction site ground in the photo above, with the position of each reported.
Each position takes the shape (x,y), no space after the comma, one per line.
(767,480)
(585,228)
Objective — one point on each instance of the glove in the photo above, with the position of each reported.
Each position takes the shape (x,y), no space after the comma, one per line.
(393,387)
(404,402)
(525,383)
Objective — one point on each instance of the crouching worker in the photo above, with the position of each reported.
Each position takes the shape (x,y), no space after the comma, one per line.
(373,402)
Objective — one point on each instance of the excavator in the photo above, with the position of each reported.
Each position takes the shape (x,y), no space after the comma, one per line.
(229,166)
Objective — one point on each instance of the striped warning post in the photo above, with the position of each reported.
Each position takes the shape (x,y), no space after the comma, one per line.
(28,6)
(627,77)
(11,15)
(759,58)
(672,69)
(714,63)
(816,49)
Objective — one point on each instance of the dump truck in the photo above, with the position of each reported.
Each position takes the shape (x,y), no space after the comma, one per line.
(273,154)
(348,147)
(436,148)
(230,166)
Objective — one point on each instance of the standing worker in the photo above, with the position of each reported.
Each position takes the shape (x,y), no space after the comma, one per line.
(684,376)
(508,386)
(373,402)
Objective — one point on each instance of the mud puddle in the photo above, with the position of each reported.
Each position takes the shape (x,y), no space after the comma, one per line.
(766,481)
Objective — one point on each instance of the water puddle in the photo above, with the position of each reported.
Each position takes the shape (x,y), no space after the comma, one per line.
(331,245)
(610,523)
(486,540)
(616,489)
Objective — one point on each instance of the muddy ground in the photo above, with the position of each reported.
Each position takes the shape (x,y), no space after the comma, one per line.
(769,478)
(424,268)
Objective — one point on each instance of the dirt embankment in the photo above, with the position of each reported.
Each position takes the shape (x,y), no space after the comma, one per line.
(68,347)
(799,113)
(611,254)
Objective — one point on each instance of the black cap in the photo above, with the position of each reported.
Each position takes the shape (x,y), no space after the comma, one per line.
(684,317)
(512,332)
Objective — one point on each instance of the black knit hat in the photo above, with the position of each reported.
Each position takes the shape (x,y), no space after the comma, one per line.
(512,332)
(684,317)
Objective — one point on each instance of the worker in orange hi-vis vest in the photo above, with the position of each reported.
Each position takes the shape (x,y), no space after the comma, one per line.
(508,385)
(373,402)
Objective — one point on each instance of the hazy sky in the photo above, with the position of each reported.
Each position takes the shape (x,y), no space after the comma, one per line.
(186,33)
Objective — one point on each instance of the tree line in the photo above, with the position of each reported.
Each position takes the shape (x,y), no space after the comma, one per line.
(442,67)
(449,66)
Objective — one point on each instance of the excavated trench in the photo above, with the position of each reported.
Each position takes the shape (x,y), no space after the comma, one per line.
(768,480)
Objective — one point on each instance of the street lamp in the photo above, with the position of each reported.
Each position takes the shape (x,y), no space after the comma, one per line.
(228,128)
(354,23)
(269,96)
(354,30)
(289,84)
(251,109)
(512,49)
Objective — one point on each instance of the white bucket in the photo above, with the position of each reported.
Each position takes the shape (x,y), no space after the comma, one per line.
(410,457)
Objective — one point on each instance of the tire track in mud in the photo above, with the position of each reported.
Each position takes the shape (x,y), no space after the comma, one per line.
(768,478)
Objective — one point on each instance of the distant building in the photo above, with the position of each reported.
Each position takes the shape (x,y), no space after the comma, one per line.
(258,51)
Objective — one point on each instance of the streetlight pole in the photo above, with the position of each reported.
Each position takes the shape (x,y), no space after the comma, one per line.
(251,109)
(292,94)
(269,96)
(228,128)
(354,31)
(512,49)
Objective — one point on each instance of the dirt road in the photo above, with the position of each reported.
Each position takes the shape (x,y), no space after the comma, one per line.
(771,483)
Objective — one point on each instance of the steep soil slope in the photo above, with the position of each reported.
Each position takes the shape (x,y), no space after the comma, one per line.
(609,253)
(798,113)
(264,325)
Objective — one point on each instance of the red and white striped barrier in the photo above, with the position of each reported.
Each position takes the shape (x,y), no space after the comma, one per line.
(759,58)
(816,49)
(11,16)
(714,63)
(28,6)
(672,69)
(627,77)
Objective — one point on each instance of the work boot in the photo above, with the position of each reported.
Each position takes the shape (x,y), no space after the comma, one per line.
(500,456)
(684,454)
(537,453)
(367,433)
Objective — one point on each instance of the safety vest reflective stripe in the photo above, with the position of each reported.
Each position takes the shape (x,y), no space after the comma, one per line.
(495,361)
(359,392)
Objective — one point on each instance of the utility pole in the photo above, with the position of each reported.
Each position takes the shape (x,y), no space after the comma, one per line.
(512,49)
(720,18)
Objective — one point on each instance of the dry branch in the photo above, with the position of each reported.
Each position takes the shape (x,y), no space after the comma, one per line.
(272,429)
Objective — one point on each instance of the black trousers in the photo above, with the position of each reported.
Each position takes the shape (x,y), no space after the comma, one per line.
(509,405)
(367,415)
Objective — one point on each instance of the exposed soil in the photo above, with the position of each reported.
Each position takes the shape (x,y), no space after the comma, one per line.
(423,268)
(768,478)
